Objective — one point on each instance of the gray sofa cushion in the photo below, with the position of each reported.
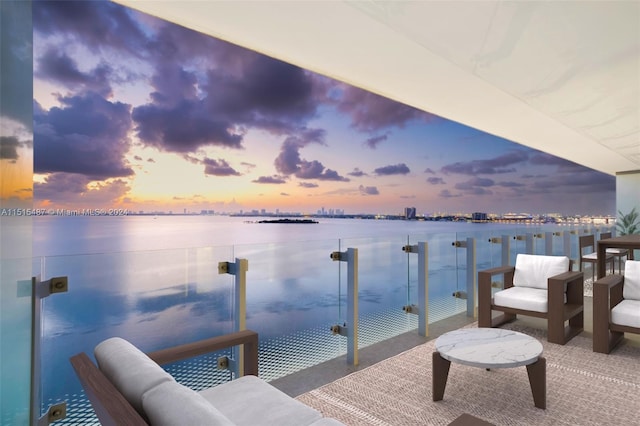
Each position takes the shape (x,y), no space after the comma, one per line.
(172,404)
(131,371)
(250,401)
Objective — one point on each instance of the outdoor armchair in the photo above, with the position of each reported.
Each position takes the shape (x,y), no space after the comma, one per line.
(537,286)
(616,307)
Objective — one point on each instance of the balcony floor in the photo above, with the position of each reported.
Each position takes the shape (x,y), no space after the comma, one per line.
(319,375)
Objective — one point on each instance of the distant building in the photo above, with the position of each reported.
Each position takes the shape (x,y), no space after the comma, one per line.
(409,212)
(479,217)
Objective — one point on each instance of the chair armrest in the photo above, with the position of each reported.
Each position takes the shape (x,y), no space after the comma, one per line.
(111,407)
(484,277)
(607,291)
(572,282)
(247,338)
(567,277)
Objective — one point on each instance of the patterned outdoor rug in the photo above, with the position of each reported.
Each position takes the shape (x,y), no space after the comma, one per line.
(583,388)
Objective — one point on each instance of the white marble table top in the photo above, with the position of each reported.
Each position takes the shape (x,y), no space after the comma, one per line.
(488,347)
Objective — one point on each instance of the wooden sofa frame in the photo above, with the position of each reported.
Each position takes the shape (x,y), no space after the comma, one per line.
(607,293)
(557,313)
(113,409)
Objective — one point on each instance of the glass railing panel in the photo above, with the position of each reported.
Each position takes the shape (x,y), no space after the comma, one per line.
(443,275)
(539,241)
(384,275)
(154,299)
(15,343)
(293,299)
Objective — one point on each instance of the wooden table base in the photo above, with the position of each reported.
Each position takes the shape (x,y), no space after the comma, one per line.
(537,373)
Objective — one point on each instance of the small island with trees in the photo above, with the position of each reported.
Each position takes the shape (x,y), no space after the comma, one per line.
(288,221)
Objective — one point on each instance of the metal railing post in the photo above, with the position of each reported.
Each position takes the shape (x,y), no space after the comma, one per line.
(506,250)
(567,243)
(471,275)
(350,327)
(41,290)
(239,270)
(422,249)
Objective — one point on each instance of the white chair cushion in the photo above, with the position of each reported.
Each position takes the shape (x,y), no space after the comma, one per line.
(534,270)
(250,401)
(172,404)
(130,370)
(591,256)
(530,299)
(626,313)
(631,288)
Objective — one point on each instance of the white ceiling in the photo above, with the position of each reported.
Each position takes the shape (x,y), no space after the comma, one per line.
(559,76)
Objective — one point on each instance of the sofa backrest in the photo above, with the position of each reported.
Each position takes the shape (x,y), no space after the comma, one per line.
(111,407)
(128,389)
(631,288)
(130,370)
(535,270)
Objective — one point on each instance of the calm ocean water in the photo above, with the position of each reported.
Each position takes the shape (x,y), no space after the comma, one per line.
(62,235)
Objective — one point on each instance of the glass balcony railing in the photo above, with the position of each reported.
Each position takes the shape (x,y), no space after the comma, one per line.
(295,294)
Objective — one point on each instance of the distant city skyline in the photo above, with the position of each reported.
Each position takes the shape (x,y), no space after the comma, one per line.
(137,113)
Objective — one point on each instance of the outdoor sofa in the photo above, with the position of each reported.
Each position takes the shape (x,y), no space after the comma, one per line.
(128,387)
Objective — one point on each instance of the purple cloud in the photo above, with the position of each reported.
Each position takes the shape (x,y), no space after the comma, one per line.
(62,188)
(396,169)
(476,186)
(582,180)
(435,181)
(357,173)
(429,171)
(289,162)
(178,121)
(98,25)
(374,141)
(88,135)
(9,147)
(218,167)
(55,66)
(511,184)
(368,190)
(233,89)
(370,112)
(308,185)
(475,182)
(270,179)
(500,164)
(445,193)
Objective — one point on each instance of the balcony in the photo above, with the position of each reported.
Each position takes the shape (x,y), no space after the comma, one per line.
(300,297)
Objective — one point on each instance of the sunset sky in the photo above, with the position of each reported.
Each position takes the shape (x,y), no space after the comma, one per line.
(134,112)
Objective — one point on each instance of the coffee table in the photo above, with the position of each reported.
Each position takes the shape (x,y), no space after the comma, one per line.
(490,348)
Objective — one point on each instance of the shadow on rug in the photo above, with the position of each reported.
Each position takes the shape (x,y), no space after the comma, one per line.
(583,388)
